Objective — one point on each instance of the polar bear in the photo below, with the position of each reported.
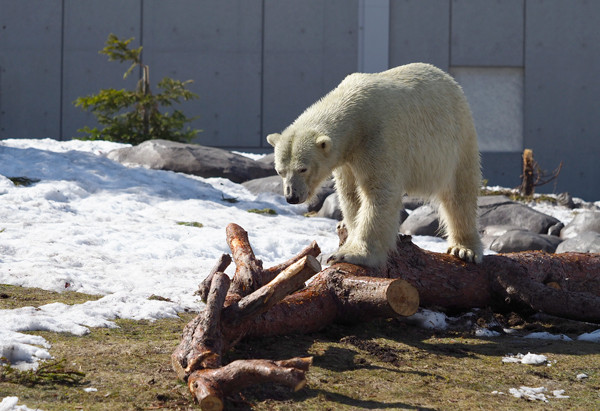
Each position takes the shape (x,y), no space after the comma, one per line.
(405,130)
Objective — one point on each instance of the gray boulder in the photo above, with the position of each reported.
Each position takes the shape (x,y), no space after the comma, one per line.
(588,242)
(499,210)
(331,208)
(491,232)
(583,221)
(270,184)
(523,240)
(269,160)
(422,221)
(412,203)
(192,159)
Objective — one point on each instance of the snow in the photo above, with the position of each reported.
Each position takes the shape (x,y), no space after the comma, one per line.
(536,394)
(548,336)
(529,358)
(591,337)
(11,404)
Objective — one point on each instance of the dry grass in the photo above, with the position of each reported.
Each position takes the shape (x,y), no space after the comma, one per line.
(382,365)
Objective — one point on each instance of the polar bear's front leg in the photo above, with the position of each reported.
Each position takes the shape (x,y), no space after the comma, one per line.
(374,232)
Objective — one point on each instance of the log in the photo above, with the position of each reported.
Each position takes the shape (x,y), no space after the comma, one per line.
(265,302)
(234,308)
(209,387)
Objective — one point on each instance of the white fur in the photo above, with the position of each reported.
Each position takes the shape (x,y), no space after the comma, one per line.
(405,130)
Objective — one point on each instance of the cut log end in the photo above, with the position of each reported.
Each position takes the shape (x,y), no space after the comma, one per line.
(211,403)
(403,298)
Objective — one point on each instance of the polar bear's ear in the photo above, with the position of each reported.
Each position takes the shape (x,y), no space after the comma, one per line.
(273,139)
(324,143)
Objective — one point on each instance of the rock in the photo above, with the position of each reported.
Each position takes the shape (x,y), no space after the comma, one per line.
(422,221)
(587,242)
(493,201)
(556,229)
(412,203)
(499,210)
(271,184)
(565,200)
(326,190)
(331,208)
(491,232)
(269,160)
(192,159)
(583,221)
(523,240)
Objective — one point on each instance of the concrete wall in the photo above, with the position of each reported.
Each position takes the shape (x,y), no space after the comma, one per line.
(528,67)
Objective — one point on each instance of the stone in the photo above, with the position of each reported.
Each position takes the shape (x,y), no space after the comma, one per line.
(522,240)
(269,160)
(270,184)
(499,210)
(192,159)
(556,229)
(412,203)
(331,208)
(565,200)
(491,232)
(326,190)
(583,221)
(422,221)
(587,242)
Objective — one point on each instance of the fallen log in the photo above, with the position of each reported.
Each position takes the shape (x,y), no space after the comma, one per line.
(266,302)
(234,308)
(210,386)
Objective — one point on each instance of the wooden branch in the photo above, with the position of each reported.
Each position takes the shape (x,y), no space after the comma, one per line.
(202,346)
(220,266)
(288,281)
(338,294)
(270,273)
(248,267)
(209,387)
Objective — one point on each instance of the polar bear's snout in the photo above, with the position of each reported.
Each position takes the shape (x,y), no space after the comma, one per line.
(295,190)
(290,196)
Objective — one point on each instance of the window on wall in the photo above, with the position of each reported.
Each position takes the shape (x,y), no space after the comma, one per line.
(495,95)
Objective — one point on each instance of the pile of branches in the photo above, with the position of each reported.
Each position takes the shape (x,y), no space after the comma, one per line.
(260,302)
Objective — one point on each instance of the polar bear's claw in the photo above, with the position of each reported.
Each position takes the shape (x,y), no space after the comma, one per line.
(464,253)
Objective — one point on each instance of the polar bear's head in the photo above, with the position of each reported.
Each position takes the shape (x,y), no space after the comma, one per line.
(301,159)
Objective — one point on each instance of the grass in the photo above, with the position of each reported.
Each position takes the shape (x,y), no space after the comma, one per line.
(385,364)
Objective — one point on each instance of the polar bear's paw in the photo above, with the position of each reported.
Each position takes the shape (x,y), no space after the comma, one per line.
(357,256)
(465,253)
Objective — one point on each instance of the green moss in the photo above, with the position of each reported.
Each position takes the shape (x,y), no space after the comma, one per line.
(190,224)
(23,181)
(266,211)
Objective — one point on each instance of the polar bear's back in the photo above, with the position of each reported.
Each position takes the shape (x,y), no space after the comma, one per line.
(415,114)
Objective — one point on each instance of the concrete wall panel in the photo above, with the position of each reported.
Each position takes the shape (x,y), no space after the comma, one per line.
(217,44)
(487,33)
(87,25)
(309,47)
(420,32)
(30,69)
(561,92)
(495,95)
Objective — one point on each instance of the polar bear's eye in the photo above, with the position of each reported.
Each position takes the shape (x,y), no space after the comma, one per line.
(303,170)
